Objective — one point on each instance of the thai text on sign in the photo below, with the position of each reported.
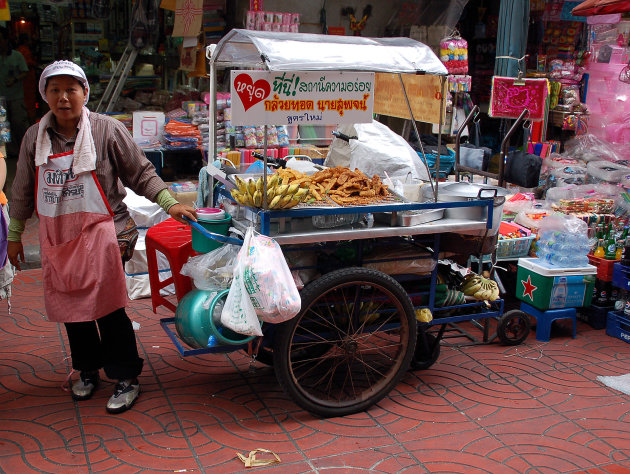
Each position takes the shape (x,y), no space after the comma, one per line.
(301,98)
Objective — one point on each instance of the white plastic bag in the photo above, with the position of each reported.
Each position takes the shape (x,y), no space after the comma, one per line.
(377,149)
(268,280)
(238,312)
(212,270)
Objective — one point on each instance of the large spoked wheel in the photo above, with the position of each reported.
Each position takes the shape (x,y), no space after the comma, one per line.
(513,327)
(350,344)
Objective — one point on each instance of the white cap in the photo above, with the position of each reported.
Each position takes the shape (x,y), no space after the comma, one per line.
(63,68)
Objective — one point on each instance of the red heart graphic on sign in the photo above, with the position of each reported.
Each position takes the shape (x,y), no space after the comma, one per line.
(251,92)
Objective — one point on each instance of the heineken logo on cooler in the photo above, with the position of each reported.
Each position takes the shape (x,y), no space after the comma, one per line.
(528,287)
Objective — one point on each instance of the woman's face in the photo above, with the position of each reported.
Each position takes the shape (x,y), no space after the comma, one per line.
(65,96)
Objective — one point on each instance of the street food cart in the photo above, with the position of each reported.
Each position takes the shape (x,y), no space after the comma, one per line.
(357,332)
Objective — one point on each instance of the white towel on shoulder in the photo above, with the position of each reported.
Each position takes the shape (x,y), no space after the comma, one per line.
(84,150)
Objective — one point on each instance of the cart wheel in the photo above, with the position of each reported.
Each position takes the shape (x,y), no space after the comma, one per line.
(350,344)
(513,327)
(426,354)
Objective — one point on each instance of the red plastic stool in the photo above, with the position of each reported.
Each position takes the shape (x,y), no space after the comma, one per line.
(174,240)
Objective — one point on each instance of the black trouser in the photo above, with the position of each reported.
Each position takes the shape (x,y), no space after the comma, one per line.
(114,348)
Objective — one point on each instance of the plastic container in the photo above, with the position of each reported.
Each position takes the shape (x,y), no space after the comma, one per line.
(208,214)
(604,267)
(547,287)
(618,325)
(516,247)
(595,315)
(201,243)
(621,276)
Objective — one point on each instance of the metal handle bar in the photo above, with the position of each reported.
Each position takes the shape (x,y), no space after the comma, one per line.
(474,114)
(210,235)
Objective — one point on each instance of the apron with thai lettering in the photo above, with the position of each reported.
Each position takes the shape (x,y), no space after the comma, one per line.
(81,264)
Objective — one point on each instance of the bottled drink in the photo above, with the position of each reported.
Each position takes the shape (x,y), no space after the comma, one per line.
(603,298)
(610,247)
(599,251)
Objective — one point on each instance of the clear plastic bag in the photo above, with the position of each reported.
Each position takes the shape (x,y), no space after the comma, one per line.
(588,147)
(212,270)
(238,312)
(268,280)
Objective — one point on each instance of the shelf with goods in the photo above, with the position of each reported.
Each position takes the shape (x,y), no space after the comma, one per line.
(86,34)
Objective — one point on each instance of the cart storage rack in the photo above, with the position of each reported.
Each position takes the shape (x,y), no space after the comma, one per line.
(356,333)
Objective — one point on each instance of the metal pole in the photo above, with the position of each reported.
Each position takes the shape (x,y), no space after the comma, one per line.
(415,129)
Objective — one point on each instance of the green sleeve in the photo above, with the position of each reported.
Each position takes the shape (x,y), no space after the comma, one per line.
(16,228)
(165,200)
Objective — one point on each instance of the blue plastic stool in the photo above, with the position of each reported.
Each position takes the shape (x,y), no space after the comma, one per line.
(545,318)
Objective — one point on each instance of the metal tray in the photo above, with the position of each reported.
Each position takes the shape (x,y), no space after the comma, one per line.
(422,216)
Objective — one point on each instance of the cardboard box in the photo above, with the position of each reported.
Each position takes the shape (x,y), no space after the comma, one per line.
(148,125)
(188,197)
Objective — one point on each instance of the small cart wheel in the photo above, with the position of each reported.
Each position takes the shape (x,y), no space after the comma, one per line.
(513,327)
(426,354)
(349,346)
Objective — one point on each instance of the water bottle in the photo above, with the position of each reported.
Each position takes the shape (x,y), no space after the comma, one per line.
(559,294)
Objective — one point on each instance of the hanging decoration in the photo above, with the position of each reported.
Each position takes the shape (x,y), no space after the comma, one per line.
(454,54)
(188,16)
(357,26)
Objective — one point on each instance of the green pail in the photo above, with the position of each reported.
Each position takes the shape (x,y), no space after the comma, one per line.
(203,244)
(196,326)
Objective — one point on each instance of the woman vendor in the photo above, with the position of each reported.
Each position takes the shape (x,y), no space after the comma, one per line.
(72,170)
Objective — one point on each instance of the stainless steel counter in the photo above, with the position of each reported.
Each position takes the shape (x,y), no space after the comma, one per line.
(357,231)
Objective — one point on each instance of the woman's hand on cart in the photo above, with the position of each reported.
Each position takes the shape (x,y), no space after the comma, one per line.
(183,213)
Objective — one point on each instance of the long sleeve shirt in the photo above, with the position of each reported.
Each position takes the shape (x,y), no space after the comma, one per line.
(120,163)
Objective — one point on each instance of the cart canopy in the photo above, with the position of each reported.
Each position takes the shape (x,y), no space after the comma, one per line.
(277,51)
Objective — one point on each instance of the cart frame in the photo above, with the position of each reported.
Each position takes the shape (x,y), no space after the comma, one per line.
(355,303)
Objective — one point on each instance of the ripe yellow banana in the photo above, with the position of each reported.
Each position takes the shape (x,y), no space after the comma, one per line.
(281,190)
(284,201)
(301,193)
(242,185)
(274,202)
(257,199)
(259,184)
(272,181)
(237,196)
(293,202)
(292,189)
(271,193)
(251,187)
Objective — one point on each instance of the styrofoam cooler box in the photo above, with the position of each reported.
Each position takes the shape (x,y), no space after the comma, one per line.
(546,286)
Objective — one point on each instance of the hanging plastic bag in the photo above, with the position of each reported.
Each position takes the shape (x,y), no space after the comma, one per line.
(212,270)
(238,312)
(268,280)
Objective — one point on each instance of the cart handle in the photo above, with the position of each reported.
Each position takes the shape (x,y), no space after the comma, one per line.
(213,236)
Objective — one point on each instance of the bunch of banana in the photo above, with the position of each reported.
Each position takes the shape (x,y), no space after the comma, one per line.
(279,196)
(480,288)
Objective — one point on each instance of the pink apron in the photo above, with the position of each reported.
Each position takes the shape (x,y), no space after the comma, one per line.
(82,269)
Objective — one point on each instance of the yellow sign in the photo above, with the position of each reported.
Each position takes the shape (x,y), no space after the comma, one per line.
(425,94)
